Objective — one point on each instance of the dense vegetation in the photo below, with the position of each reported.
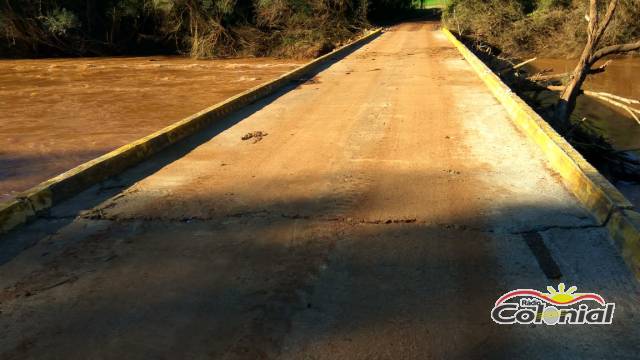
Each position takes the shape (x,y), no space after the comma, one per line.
(543,27)
(201,28)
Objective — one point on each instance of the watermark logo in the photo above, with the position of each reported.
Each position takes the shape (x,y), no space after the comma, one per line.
(557,307)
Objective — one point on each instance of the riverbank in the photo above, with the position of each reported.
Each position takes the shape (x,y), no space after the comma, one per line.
(59,113)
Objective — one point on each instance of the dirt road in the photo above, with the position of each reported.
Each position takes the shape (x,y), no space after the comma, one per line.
(391,203)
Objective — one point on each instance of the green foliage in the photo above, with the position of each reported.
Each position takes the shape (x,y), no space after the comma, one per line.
(161,5)
(485,19)
(552,4)
(420,4)
(202,28)
(59,21)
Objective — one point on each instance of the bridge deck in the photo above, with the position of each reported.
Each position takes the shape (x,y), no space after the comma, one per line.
(391,203)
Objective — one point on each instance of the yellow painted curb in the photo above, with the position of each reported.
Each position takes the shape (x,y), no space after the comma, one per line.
(607,205)
(624,227)
(40,198)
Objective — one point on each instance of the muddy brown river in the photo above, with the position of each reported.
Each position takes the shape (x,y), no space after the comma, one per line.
(56,114)
(621,78)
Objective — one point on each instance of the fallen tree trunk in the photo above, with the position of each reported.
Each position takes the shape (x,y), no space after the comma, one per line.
(615,100)
(517,66)
(633,112)
(524,63)
(612,96)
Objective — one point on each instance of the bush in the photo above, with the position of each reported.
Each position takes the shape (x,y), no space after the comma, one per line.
(543,27)
(202,28)
(60,21)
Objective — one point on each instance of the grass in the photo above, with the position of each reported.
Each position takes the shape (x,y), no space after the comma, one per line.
(429,3)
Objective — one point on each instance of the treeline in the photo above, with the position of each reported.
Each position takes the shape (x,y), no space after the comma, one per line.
(201,28)
(543,27)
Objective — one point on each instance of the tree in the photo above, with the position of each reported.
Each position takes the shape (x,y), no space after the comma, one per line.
(591,54)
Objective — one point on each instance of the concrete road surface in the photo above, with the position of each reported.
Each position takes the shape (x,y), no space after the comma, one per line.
(388,207)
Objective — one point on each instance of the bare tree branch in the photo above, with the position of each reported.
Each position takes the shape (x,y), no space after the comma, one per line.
(593,17)
(546,77)
(524,63)
(607,19)
(614,49)
(615,100)
(614,97)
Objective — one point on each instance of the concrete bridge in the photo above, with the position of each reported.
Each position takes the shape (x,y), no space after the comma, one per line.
(389,205)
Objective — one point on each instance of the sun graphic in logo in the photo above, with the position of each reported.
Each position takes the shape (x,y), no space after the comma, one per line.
(562,295)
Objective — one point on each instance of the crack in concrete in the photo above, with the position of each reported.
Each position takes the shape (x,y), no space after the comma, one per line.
(557,227)
(572,227)
(55,218)
(98,214)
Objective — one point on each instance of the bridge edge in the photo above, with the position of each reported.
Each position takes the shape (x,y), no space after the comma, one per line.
(28,205)
(605,203)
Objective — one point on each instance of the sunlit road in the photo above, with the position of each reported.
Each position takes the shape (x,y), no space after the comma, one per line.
(390,205)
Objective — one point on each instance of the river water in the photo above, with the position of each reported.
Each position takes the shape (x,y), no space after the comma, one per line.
(622,78)
(56,114)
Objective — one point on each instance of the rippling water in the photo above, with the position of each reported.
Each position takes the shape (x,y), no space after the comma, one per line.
(56,114)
